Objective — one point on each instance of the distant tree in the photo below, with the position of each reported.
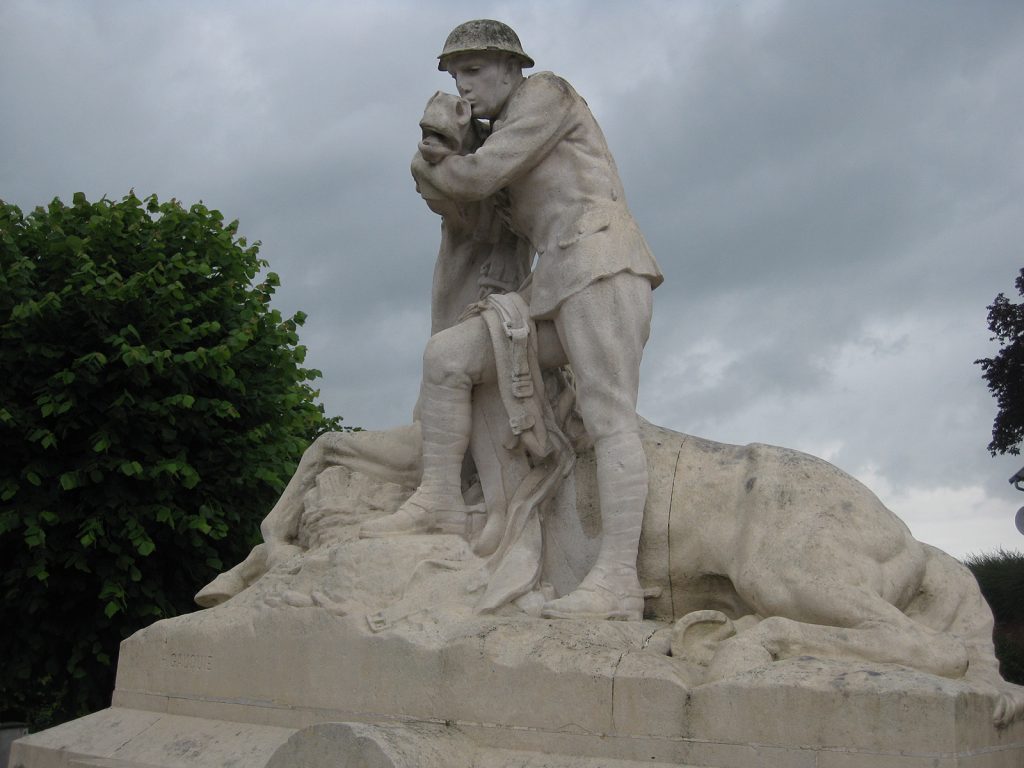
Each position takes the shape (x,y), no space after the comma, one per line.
(1000,576)
(152,407)
(1005,372)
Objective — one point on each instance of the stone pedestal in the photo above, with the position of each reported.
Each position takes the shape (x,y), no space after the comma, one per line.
(304,687)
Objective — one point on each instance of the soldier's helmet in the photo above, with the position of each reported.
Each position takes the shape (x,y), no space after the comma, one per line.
(482,35)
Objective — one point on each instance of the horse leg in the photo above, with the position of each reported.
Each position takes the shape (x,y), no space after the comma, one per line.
(949,600)
(834,613)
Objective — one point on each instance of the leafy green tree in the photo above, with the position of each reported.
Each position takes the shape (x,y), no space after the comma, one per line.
(152,407)
(1005,372)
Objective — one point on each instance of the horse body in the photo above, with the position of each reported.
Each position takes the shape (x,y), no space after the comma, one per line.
(790,556)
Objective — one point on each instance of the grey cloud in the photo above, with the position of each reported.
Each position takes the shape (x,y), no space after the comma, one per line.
(834,190)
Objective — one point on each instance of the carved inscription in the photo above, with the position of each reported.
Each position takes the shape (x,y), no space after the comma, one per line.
(190,662)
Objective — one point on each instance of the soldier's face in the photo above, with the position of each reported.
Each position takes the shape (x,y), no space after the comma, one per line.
(484,80)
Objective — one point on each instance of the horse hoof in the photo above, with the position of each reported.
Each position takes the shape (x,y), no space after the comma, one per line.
(1009,708)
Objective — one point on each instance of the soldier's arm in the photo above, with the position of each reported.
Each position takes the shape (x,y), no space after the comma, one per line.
(536,122)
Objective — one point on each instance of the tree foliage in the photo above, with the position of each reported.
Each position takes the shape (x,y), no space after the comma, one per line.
(152,408)
(1000,576)
(1005,372)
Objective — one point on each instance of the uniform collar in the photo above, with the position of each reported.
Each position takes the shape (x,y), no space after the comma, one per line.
(504,108)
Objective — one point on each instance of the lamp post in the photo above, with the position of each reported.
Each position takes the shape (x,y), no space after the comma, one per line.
(1016,480)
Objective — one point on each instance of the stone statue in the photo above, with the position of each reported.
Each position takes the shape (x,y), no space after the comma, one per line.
(772,610)
(753,554)
(589,299)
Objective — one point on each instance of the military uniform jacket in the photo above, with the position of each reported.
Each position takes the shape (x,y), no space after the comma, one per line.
(547,153)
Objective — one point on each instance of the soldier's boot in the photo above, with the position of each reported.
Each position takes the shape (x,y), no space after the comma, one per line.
(612,590)
(445,421)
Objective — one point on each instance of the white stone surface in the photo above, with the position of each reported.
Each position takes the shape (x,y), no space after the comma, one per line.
(192,691)
(761,553)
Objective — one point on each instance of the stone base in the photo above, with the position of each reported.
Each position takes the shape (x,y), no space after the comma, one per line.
(303,687)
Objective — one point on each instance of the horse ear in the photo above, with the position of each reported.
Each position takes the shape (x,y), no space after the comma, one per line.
(463,112)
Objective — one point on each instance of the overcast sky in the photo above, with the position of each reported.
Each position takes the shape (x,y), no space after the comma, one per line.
(834,191)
